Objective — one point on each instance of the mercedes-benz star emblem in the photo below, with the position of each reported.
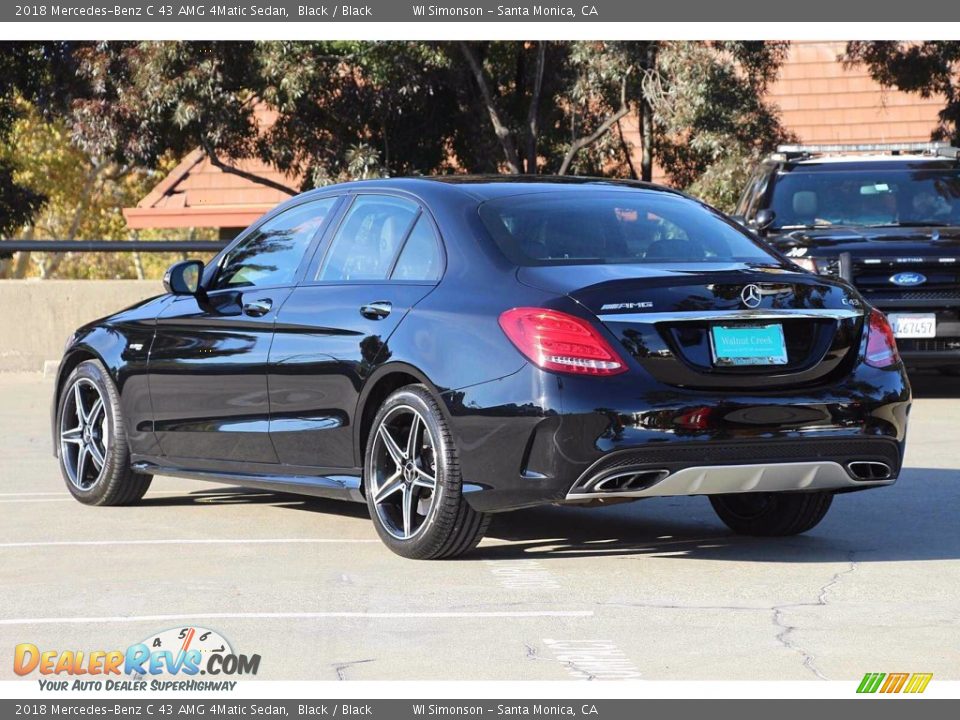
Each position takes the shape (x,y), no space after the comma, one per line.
(751,296)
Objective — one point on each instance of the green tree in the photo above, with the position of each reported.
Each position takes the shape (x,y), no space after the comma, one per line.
(710,113)
(37,71)
(926,68)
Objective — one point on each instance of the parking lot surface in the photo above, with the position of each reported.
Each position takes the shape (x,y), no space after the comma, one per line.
(657,590)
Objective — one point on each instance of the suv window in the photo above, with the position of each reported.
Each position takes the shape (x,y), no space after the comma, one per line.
(866,197)
(271,254)
(368,239)
(420,257)
(751,196)
(616,227)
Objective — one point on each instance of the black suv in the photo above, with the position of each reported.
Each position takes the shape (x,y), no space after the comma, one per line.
(886,218)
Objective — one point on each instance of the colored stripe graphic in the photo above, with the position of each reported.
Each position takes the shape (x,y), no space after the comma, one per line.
(918,683)
(893,683)
(870,682)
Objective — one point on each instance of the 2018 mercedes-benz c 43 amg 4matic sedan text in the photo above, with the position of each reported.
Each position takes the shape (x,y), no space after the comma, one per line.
(443,349)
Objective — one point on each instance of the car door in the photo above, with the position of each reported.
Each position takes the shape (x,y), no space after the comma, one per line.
(335,328)
(207,369)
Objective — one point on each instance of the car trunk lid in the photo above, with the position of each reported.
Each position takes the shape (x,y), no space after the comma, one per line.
(680,321)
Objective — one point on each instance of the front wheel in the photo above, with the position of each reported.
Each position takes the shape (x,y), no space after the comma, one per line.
(771,514)
(412,480)
(93,452)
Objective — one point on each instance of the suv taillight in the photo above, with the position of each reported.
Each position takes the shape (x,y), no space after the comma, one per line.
(554,340)
(881,344)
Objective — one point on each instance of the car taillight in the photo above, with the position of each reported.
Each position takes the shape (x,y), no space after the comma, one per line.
(557,341)
(881,344)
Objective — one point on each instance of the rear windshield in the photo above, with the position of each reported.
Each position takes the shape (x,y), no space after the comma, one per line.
(866,197)
(618,227)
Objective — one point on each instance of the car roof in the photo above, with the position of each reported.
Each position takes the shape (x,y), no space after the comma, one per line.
(488,187)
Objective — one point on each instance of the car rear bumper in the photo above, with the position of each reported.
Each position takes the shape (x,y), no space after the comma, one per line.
(721,479)
(574,433)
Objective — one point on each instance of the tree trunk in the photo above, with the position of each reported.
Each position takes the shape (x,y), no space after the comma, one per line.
(500,130)
(48,268)
(21,262)
(582,142)
(533,114)
(646,120)
(646,139)
(627,152)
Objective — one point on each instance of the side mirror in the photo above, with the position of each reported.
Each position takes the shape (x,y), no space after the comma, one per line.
(183,278)
(739,219)
(764,219)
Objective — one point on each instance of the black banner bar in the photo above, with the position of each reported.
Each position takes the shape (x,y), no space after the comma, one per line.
(564,11)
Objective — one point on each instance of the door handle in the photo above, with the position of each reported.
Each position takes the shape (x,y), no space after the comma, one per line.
(376,310)
(258,308)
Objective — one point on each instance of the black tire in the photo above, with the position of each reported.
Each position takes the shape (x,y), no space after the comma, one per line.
(113,483)
(450,527)
(771,514)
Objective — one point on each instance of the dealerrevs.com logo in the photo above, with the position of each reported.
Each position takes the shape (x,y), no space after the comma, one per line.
(170,660)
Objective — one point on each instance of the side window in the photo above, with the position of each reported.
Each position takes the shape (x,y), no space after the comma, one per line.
(420,257)
(273,252)
(368,239)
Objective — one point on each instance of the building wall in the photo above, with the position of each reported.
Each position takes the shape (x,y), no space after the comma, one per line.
(822,101)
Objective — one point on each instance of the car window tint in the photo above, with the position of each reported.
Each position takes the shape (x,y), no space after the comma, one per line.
(866,197)
(368,239)
(420,257)
(273,252)
(616,227)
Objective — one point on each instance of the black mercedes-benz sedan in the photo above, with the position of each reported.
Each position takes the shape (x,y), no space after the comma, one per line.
(443,349)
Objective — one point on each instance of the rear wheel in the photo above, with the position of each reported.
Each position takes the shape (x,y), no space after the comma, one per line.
(771,514)
(412,480)
(93,451)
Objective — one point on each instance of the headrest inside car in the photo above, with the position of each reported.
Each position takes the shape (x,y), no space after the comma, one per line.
(805,202)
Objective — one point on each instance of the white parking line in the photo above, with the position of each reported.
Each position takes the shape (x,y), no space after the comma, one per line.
(522,574)
(186,541)
(295,616)
(593,659)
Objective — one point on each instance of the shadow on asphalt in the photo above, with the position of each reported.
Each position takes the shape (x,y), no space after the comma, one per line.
(916,519)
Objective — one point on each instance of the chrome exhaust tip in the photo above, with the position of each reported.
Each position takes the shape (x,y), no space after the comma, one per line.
(869,470)
(627,481)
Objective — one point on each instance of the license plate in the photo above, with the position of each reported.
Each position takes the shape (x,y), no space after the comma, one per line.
(748,345)
(909,325)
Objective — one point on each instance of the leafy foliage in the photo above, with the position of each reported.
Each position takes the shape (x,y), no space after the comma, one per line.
(712,119)
(926,68)
(98,121)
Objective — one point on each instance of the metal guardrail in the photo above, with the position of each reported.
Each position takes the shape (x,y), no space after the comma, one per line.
(12,246)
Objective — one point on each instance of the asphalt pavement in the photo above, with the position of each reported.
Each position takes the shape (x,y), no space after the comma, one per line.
(657,590)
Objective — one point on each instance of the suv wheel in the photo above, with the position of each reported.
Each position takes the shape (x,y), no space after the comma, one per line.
(93,452)
(412,480)
(769,514)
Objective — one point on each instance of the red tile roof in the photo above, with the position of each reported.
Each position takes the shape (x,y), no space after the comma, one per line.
(198,194)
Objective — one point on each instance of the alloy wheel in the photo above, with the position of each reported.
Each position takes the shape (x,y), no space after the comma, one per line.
(404,472)
(84,434)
